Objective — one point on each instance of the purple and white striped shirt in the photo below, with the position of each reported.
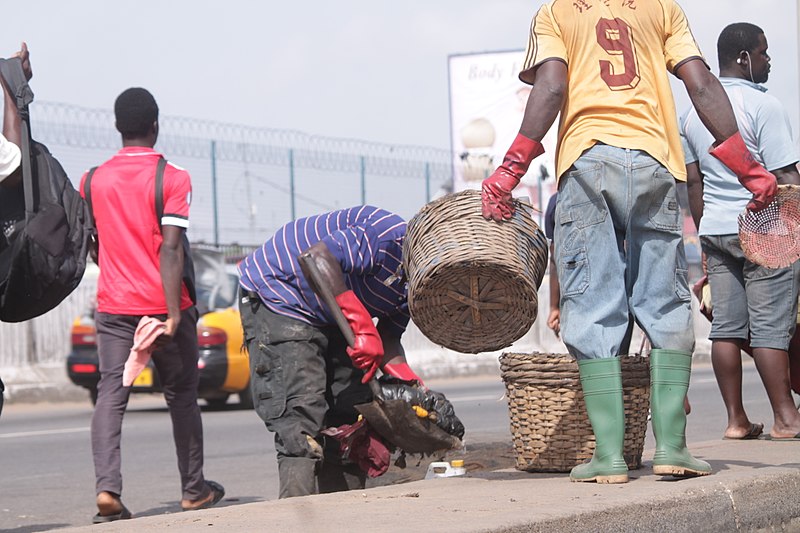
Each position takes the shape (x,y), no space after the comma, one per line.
(368,243)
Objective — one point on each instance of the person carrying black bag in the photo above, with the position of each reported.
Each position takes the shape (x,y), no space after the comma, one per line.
(10,157)
(45,222)
(11,200)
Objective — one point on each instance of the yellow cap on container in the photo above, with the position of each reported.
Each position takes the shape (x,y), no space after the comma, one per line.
(457,463)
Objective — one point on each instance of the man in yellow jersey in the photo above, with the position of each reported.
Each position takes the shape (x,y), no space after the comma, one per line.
(604,65)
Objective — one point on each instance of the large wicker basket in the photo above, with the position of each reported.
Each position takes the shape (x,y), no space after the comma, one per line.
(472,282)
(549,425)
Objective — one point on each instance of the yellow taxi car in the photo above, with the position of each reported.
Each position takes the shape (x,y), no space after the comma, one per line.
(223,363)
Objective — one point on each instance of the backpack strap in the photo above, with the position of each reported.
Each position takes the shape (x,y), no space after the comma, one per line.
(14,76)
(87,196)
(188,264)
(87,193)
(162,165)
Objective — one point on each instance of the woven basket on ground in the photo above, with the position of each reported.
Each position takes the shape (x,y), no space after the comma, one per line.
(472,282)
(550,428)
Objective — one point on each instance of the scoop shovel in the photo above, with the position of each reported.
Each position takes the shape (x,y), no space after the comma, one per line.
(394,420)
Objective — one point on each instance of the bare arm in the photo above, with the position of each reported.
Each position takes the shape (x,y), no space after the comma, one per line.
(328,267)
(787,175)
(12,127)
(554,318)
(11,121)
(694,186)
(392,346)
(709,99)
(171,267)
(545,99)
(11,131)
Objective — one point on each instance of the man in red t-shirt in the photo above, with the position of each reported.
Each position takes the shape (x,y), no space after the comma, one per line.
(141,267)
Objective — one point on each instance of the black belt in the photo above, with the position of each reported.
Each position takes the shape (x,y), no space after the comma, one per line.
(252,297)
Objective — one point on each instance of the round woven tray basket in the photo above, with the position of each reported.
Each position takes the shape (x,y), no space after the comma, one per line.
(550,428)
(472,282)
(771,237)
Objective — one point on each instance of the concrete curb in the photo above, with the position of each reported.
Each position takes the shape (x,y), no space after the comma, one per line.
(768,503)
(754,488)
(40,383)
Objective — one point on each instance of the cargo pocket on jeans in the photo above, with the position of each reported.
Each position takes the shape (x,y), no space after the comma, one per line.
(574,273)
(682,285)
(266,372)
(664,211)
(580,201)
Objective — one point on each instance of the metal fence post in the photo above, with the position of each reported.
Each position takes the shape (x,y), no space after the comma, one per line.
(214,191)
(363,182)
(291,181)
(427,182)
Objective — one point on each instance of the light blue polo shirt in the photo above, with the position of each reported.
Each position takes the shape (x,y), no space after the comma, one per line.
(767,133)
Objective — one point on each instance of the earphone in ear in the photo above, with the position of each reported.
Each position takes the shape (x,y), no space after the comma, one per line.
(739,59)
(750,66)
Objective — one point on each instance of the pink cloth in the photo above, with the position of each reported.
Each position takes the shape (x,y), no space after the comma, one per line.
(363,446)
(147,331)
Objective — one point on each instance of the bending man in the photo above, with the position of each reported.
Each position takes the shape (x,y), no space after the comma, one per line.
(304,377)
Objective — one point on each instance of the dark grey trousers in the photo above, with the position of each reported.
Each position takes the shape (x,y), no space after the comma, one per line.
(176,364)
(302,382)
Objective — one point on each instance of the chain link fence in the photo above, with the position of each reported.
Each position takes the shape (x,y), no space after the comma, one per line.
(249,181)
(246,183)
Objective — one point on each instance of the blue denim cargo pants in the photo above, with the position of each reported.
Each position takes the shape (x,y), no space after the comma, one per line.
(619,252)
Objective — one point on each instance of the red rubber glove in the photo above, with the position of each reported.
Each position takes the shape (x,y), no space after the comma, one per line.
(496,189)
(402,371)
(755,178)
(367,353)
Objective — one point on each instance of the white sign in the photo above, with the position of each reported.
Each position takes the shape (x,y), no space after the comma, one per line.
(487,102)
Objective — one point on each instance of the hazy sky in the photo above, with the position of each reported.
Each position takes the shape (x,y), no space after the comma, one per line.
(365,69)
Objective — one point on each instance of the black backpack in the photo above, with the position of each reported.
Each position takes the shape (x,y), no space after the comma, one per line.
(188,263)
(45,222)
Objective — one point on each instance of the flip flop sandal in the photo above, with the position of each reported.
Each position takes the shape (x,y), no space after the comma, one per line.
(789,439)
(123,514)
(217,492)
(754,432)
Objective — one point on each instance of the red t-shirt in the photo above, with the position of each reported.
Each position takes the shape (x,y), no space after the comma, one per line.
(123,203)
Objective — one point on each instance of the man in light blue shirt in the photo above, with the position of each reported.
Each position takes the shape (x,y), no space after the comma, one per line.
(749,301)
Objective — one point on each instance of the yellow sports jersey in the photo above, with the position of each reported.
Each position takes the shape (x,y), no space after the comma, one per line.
(618,54)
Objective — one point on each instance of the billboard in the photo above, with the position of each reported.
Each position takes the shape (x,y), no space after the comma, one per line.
(487,102)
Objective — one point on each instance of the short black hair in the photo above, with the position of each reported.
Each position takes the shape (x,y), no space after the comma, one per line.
(135,111)
(735,38)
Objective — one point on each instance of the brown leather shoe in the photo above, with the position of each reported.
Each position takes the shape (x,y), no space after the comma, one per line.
(215,494)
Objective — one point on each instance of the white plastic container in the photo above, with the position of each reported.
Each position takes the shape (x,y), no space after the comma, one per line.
(445,469)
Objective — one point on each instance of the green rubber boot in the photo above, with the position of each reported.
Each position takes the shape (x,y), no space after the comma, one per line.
(601,380)
(669,381)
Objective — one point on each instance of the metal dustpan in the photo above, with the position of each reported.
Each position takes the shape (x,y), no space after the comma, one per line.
(396,421)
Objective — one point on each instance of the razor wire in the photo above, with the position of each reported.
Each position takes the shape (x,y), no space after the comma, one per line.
(91,128)
(247,180)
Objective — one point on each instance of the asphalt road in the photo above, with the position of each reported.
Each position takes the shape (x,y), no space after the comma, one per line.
(46,473)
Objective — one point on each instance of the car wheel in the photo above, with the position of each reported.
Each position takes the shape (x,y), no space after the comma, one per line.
(246,397)
(217,403)
(93,395)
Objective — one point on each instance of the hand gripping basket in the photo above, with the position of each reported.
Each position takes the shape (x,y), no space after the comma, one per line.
(550,429)
(472,282)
